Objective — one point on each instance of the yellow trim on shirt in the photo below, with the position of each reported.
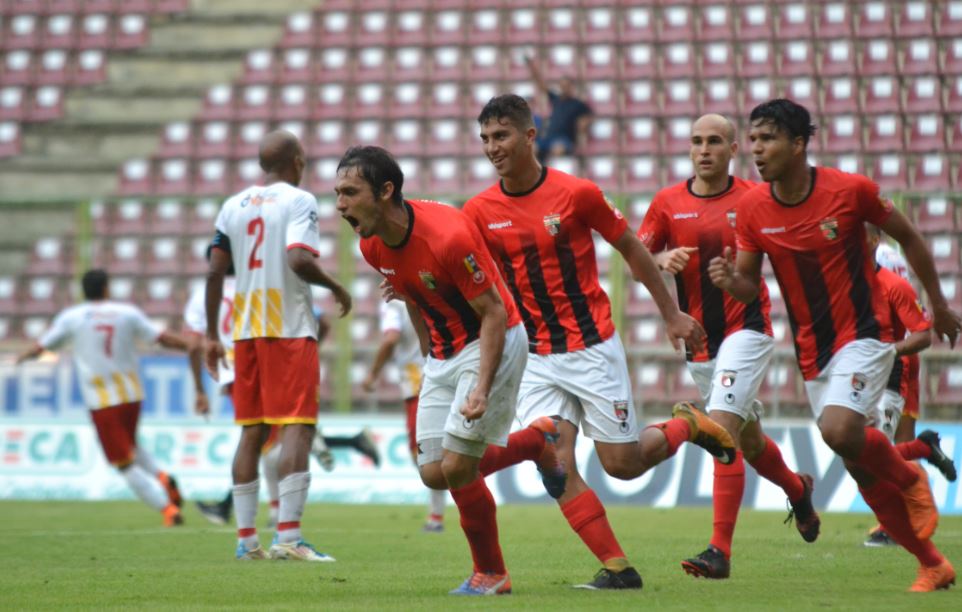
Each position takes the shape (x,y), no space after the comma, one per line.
(103,396)
(118,381)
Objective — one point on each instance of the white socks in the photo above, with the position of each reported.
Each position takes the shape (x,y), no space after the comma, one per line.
(439,500)
(144,460)
(293,495)
(146,486)
(269,463)
(245,511)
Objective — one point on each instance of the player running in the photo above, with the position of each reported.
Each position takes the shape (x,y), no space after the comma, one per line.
(810,223)
(269,234)
(433,257)
(400,343)
(537,223)
(694,220)
(103,334)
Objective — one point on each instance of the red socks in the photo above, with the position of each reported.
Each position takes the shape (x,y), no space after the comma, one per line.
(889,507)
(727,491)
(524,444)
(770,466)
(480,524)
(914,449)
(677,431)
(587,518)
(880,459)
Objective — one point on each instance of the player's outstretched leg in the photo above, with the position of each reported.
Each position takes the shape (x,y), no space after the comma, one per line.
(537,443)
(152,493)
(322,452)
(927,445)
(217,513)
(704,432)
(363,443)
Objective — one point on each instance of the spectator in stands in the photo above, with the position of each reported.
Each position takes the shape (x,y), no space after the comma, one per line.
(568,119)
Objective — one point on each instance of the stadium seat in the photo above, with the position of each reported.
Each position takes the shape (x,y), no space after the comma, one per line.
(781,384)
(409,29)
(255,102)
(874,20)
(833,21)
(195,259)
(446,64)
(716,23)
(9,139)
(949,18)
(600,62)
(680,98)
(890,173)
(171,176)
(932,173)
(214,139)
(843,134)
(258,67)
(335,28)
(447,137)
(485,63)
(945,252)
(641,136)
(331,102)
(951,57)
(794,21)
(131,32)
(200,217)
(637,24)
(91,68)
(9,298)
(334,66)
(945,385)
(756,59)
(677,135)
(484,28)
(840,95)
(678,168)
(218,103)
(44,296)
(95,32)
(923,94)
(603,137)
(248,139)
(368,132)
(50,257)
(447,27)
(718,96)
(445,101)
(926,133)
(803,91)
(299,30)
(754,22)
(796,58)
(639,302)
(12,103)
(677,61)
(885,134)
(919,56)
(878,57)
(291,102)
(561,26)
(754,92)
(561,60)
(296,66)
(913,18)
(22,32)
(935,213)
(677,23)
(646,332)
(600,25)
(605,171)
(164,257)
(638,61)
(135,177)
(211,177)
(717,59)
(18,68)
(882,95)
(47,104)
(371,65)
(405,138)
(837,58)
(642,174)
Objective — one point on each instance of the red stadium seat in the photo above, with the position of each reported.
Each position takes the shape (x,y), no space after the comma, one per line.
(43,297)
(646,332)
(756,59)
(678,168)
(837,58)
(96,32)
(641,136)
(926,133)
(561,61)
(677,135)
(211,177)
(447,137)
(834,21)
(444,176)
(649,382)
(255,102)
(409,29)
(600,25)
(754,92)
(796,58)
(949,18)
(445,101)
(59,31)
(602,97)
(605,171)
(91,68)
(49,257)
(755,22)
(484,28)
(677,23)
(164,256)
(882,95)
(603,137)
(214,139)
(802,90)
(296,66)
(885,134)
(299,31)
(172,176)
(10,141)
(952,57)
(56,67)
(923,94)
(637,24)
(561,26)
(718,96)
(331,102)
(677,60)
(292,102)
(717,23)
(18,68)
(945,252)
(914,18)
(890,172)
(447,64)
(642,174)
(485,63)
(372,65)
(135,177)
(408,101)
(600,62)
(131,32)
(945,385)
(22,32)
(874,20)
(638,61)
(248,138)
(368,132)
(953,103)
(447,28)
(405,138)
(680,98)
(919,56)
(327,138)
(878,56)
(259,67)
(167,217)
(843,134)
(218,103)
(480,175)
(794,21)
(935,213)
(334,66)
(932,173)
(841,95)
(335,28)
(413,175)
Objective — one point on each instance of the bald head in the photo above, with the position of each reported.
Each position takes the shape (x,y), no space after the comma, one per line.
(279,150)
(715,123)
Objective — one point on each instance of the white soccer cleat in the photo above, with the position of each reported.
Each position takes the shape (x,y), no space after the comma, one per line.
(320,450)
(250,554)
(299,551)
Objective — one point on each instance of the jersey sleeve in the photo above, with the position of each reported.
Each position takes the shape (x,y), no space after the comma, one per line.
(595,211)
(195,316)
(391,313)
(302,232)
(745,237)
(466,260)
(872,207)
(908,307)
(654,228)
(144,329)
(59,333)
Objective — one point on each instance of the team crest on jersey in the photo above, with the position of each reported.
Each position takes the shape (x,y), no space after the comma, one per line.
(552,223)
(727,378)
(829,228)
(428,279)
(731,217)
(859,381)
(477,274)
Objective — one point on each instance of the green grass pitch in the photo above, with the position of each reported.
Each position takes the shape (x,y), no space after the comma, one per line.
(57,555)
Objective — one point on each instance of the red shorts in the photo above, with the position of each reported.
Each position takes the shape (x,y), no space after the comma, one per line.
(277,381)
(411,409)
(117,429)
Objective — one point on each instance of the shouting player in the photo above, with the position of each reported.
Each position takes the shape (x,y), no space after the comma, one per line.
(694,220)
(810,223)
(103,334)
(433,257)
(537,223)
(269,234)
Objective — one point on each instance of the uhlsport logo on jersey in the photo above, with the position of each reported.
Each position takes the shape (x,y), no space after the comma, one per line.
(552,223)
(477,274)
(428,279)
(829,228)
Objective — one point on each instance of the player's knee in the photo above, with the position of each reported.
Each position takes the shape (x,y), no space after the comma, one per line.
(620,467)
(432,476)
(837,438)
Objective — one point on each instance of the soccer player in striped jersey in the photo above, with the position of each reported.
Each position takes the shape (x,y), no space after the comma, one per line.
(103,335)
(269,235)
(538,223)
(432,255)
(810,223)
(687,225)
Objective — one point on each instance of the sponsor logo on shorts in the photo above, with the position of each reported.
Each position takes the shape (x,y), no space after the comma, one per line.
(477,274)
(859,381)
(730,399)
(467,423)
(428,279)
(727,378)
(731,217)
(552,223)
(856,397)
(829,228)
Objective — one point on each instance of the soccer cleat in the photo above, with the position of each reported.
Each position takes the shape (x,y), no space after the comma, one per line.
(432,526)
(608,580)
(938,458)
(172,516)
(942,576)
(709,564)
(877,538)
(923,514)
(298,551)
(216,513)
(807,520)
(706,433)
(553,474)
(250,554)
(170,485)
(364,443)
(481,583)
(321,451)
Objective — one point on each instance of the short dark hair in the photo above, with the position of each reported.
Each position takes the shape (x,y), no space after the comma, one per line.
(512,107)
(376,166)
(94,283)
(787,116)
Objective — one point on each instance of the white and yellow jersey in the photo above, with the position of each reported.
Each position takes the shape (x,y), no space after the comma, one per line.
(103,335)
(261,224)
(195,320)
(407,354)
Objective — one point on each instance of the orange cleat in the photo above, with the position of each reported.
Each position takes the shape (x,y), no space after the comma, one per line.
(172,516)
(923,514)
(706,433)
(170,484)
(929,579)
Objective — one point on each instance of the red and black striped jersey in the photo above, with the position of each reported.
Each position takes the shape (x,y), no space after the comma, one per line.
(821,261)
(440,266)
(542,241)
(905,314)
(678,217)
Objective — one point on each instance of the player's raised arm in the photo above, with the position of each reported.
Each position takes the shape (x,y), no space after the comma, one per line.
(494,321)
(644,270)
(741,276)
(945,321)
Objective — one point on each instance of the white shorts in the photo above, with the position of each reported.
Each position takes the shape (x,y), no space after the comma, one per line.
(589,388)
(730,381)
(888,413)
(446,386)
(854,378)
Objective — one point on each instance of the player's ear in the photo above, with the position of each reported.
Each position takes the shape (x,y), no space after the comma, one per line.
(387,190)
